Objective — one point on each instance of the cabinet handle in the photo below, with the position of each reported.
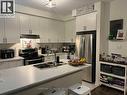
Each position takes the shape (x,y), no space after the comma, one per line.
(72,40)
(30,31)
(4,40)
(49,40)
(84,27)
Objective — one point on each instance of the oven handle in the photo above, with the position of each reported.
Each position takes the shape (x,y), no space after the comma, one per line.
(27,62)
(34,60)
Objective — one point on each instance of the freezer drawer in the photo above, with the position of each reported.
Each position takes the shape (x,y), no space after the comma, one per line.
(88,74)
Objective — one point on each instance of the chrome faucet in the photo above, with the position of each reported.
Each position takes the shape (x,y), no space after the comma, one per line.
(55,61)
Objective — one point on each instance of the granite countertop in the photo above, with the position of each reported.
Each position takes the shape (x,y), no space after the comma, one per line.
(12,59)
(23,77)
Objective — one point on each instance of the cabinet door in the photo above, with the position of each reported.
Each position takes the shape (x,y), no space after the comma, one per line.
(11,64)
(86,22)
(44,30)
(3,65)
(19,63)
(25,24)
(1,30)
(60,29)
(35,25)
(63,82)
(12,32)
(15,63)
(70,33)
(57,31)
(53,31)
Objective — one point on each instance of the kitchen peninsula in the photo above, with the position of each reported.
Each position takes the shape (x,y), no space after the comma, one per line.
(29,80)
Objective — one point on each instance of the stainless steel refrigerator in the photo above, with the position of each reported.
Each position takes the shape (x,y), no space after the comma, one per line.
(86,47)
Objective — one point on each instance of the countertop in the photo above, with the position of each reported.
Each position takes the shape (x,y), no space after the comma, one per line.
(23,77)
(52,54)
(12,59)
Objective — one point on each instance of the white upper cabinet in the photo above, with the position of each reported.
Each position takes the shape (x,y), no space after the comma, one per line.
(52,31)
(25,24)
(44,32)
(35,25)
(86,22)
(29,24)
(12,32)
(60,28)
(1,30)
(70,32)
(9,30)
(57,31)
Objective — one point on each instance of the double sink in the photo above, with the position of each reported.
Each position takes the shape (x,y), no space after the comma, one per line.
(48,65)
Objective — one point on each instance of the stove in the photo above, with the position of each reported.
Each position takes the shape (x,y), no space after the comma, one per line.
(31,56)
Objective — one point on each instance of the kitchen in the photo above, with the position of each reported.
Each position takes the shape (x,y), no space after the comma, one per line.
(55,31)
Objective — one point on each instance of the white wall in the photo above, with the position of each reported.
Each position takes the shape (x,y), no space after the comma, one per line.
(118,10)
(102,34)
(36,12)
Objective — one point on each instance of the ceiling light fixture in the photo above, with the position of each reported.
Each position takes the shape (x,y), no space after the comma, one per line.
(49,3)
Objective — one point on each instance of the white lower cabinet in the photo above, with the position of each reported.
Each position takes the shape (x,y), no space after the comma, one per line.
(15,63)
(10,64)
(60,83)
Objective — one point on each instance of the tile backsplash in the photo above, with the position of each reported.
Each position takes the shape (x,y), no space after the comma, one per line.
(17,46)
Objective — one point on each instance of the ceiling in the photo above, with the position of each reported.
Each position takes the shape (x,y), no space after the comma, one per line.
(63,7)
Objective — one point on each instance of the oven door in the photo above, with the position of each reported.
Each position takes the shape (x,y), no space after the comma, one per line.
(34,61)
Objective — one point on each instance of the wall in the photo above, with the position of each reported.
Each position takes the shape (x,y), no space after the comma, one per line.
(118,11)
(36,12)
(102,9)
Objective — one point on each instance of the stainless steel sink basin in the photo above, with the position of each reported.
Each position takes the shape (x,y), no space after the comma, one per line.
(48,65)
(42,66)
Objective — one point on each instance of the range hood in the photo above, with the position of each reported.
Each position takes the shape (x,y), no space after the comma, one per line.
(30,36)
